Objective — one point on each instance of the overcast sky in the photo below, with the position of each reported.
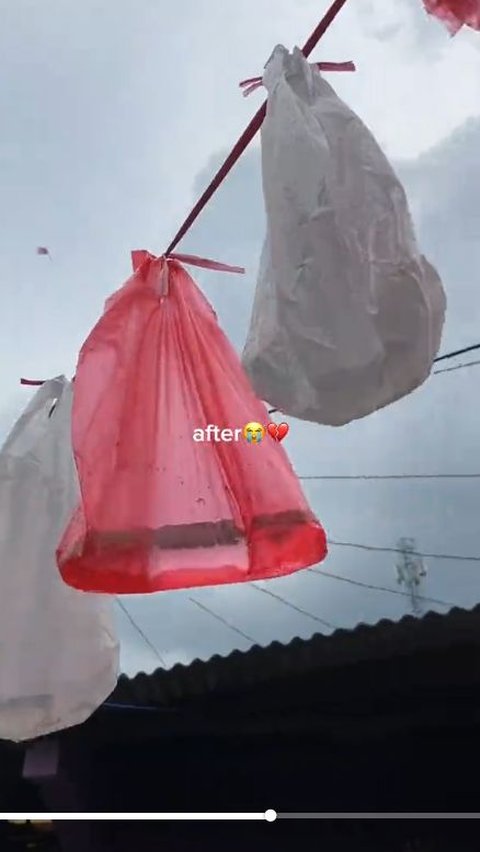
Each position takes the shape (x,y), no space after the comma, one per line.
(114,118)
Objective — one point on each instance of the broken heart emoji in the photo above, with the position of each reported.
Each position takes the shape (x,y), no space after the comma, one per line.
(277,431)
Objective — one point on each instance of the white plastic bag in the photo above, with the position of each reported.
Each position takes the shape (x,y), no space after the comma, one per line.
(58,650)
(348,314)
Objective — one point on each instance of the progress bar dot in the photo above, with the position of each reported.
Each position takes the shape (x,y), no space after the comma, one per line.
(270,815)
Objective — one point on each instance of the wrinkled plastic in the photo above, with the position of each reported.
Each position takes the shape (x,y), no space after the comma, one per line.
(348,314)
(159,510)
(455,13)
(58,650)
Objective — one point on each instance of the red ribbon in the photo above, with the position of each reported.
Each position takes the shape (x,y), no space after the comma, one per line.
(140,256)
(254,83)
(204,263)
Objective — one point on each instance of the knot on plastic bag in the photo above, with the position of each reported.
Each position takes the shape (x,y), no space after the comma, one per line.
(159,267)
(161,284)
(252,83)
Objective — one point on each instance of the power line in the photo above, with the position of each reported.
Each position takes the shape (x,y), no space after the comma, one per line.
(224,621)
(294,607)
(378,588)
(141,633)
(453,556)
(304,612)
(457,352)
(435,361)
(458,367)
(397,476)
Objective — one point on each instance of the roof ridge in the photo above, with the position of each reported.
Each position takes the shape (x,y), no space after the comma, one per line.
(200,675)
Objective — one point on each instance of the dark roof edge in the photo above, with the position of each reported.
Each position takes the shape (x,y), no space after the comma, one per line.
(259,663)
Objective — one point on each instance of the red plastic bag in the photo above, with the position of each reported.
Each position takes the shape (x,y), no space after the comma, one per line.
(455,13)
(160,510)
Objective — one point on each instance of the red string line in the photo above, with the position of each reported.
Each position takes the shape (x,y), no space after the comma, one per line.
(250,132)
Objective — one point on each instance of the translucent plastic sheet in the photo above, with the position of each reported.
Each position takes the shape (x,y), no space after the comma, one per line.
(58,649)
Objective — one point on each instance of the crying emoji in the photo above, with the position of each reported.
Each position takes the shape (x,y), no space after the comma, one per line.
(253,433)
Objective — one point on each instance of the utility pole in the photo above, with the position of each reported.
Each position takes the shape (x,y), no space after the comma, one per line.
(410,571)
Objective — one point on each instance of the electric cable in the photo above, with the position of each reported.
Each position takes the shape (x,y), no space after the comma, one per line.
(295,607)
(224,621)
(457,367)
(374,587)
(373,548)
(141,633)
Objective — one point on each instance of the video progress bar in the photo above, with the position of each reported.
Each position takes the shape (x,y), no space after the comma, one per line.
(375,816)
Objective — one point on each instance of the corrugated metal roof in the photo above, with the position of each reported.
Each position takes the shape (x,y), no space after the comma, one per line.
(380,641)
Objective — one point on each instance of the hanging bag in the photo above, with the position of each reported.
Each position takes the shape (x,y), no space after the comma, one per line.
(159,508)
(455,13)
(58,651)
(348,314)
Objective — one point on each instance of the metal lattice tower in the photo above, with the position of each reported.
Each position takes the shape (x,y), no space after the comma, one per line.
(410,571)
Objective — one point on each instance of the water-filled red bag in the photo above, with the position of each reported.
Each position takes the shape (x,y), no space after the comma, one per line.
(455,13)
(158,509)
